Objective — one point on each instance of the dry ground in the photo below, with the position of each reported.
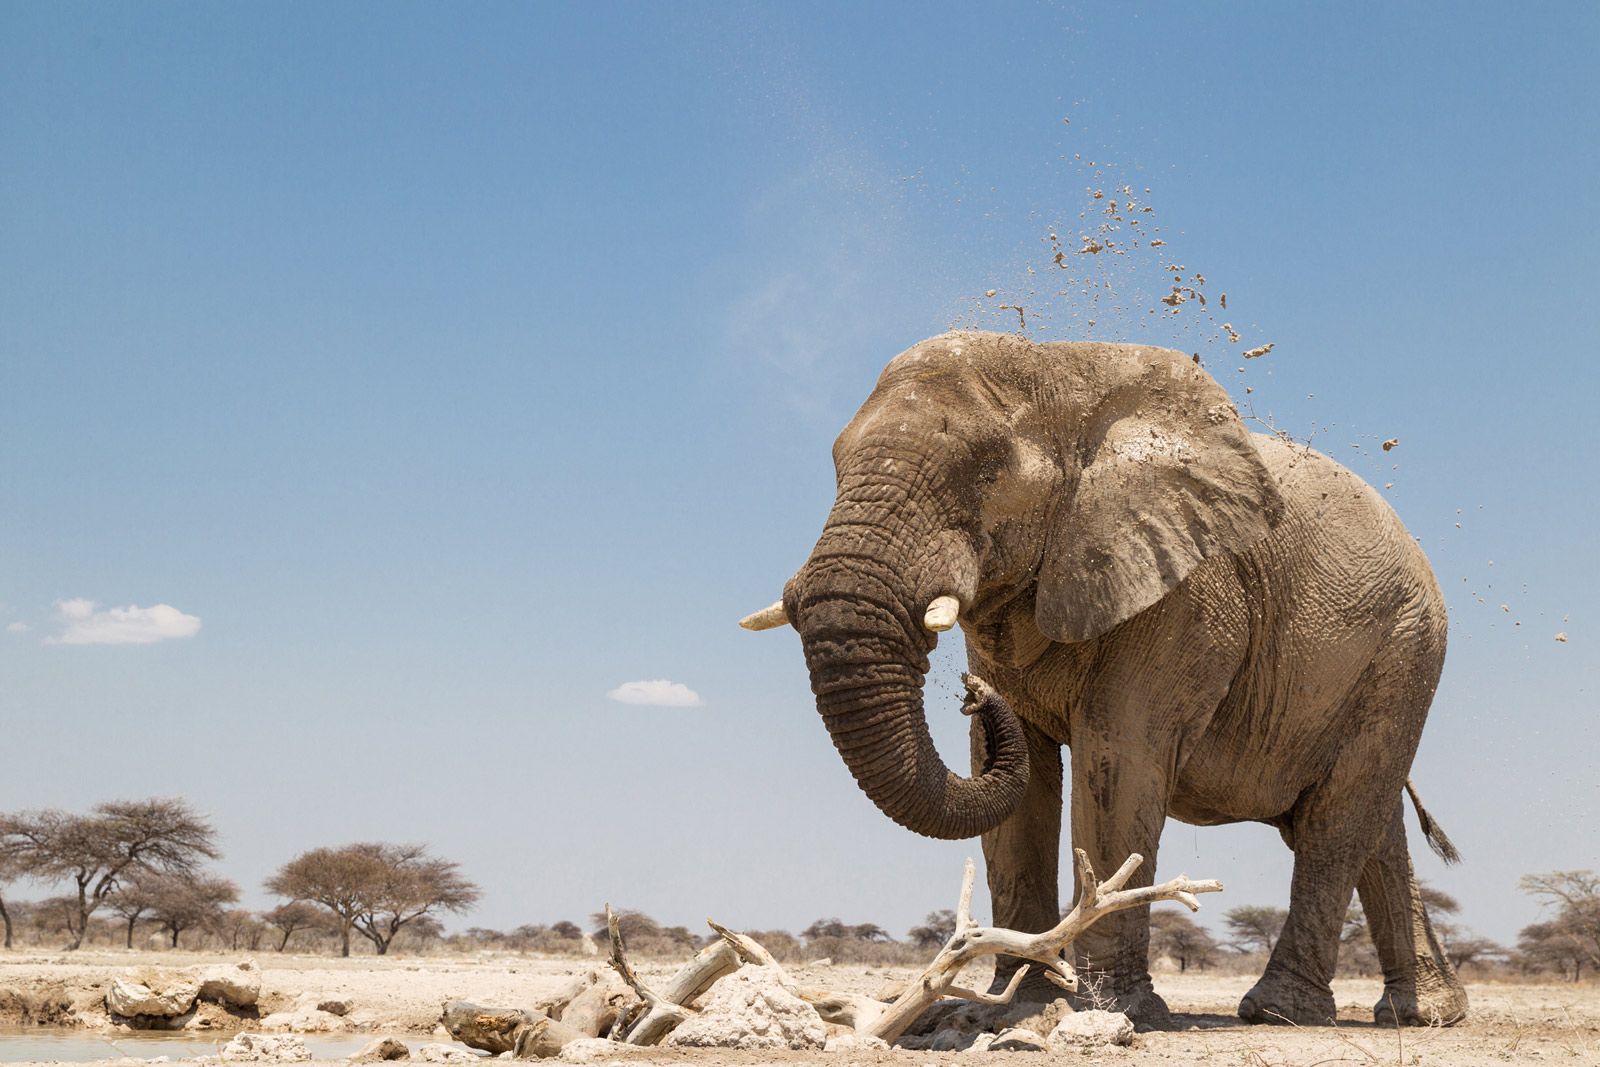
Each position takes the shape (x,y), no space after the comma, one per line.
(1510,1023)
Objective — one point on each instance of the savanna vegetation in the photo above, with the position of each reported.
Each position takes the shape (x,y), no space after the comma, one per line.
(137,874)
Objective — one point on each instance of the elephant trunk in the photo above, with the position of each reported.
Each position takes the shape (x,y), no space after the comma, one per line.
(867,655)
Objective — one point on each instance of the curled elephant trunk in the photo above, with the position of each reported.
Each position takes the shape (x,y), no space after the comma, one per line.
(868,661)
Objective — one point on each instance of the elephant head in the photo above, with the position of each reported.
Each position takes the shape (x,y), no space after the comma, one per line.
(991,479)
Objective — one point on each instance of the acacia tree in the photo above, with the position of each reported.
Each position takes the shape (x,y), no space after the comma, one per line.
(131,901)
(1572,935)
(1174,934)
(96,852)
(8,871)
(937,928)
(179,902)
(1255,927)
(374,888)
(824,929)
(287,918)
(415,887)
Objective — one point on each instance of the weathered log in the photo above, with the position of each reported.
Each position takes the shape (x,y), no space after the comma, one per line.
(595,1011)
(544,1038)
(971,942)
(490,1029)
(557,1001)
(665,1010)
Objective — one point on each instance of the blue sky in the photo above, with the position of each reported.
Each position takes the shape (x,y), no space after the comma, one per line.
(453,369)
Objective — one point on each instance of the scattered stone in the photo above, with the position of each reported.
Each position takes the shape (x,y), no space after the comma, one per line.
(340,1008)
(854,1043)
(261,1048)
(1091,1029)
(1257,353)
(160,995)
(385,1048)
(750,1009)
(1017,1039)
(435,1052)
(1562,637)
(236,985)
(586,1049)
(304,1021)
(1390,443)
(826,961)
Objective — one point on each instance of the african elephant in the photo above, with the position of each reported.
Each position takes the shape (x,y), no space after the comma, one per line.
(1220,626)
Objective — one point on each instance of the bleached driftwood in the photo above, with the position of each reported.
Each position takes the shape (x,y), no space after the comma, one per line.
(665,1010)
(973,942)
(493,1030)
(594,1006)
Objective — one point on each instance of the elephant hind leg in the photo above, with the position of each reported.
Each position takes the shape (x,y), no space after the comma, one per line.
(1420,988)
(1332,830)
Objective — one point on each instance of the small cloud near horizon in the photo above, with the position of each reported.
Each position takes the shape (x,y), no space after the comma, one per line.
(17,628)
(658,693)
(132,625)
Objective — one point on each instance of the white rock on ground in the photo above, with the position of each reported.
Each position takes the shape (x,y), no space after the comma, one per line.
(854,1043)
(750,1009)
(236,985)
(261,1048)
(1091,1029)
(1017,1039)
(437,1052)
(586,1049)
(163,994)
(385,1048)
(304,1021)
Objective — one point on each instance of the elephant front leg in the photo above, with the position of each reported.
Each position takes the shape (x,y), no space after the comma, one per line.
(1022,859)
(1119,806)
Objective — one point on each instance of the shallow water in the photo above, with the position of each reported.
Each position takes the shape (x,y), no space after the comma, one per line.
(44,1043)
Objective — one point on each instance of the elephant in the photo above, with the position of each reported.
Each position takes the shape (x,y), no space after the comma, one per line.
(1219,626)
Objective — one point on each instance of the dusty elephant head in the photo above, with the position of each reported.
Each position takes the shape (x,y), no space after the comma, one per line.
(1036,492)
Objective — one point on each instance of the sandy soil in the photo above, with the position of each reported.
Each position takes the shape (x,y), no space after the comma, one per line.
(1510,1023)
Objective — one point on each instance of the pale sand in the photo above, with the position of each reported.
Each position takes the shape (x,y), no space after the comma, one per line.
(1510,1023)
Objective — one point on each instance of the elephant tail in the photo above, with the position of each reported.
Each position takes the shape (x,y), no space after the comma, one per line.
(1437,840)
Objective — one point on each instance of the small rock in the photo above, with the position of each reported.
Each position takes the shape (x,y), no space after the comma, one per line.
(262,1048)
(1091,1029)
(585,1049)
(441,1053)
(159,995)
(750,1009)
(385,1048)
(340,1008)
(303,1021)
(826,961)
(237,985)
(1017,1039)
(854,1042)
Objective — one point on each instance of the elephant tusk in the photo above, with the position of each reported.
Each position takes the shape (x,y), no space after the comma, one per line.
(767,618)
(941,614)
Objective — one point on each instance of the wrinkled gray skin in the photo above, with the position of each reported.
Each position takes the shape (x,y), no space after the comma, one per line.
(1220,626)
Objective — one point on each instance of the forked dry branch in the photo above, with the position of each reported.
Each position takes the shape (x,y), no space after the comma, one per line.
(970,942)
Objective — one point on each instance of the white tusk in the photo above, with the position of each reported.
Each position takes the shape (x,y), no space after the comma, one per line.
(941,614)
(767,618)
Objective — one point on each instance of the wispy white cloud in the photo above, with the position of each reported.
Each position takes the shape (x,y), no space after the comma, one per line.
(17,627)
(658,692)
(132,625)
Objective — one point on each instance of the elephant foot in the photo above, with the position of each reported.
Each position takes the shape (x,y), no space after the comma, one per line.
(1443,1003)
(1282,998)
(1138,1000)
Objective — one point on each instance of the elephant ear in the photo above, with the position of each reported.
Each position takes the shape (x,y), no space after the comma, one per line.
(1167,478)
